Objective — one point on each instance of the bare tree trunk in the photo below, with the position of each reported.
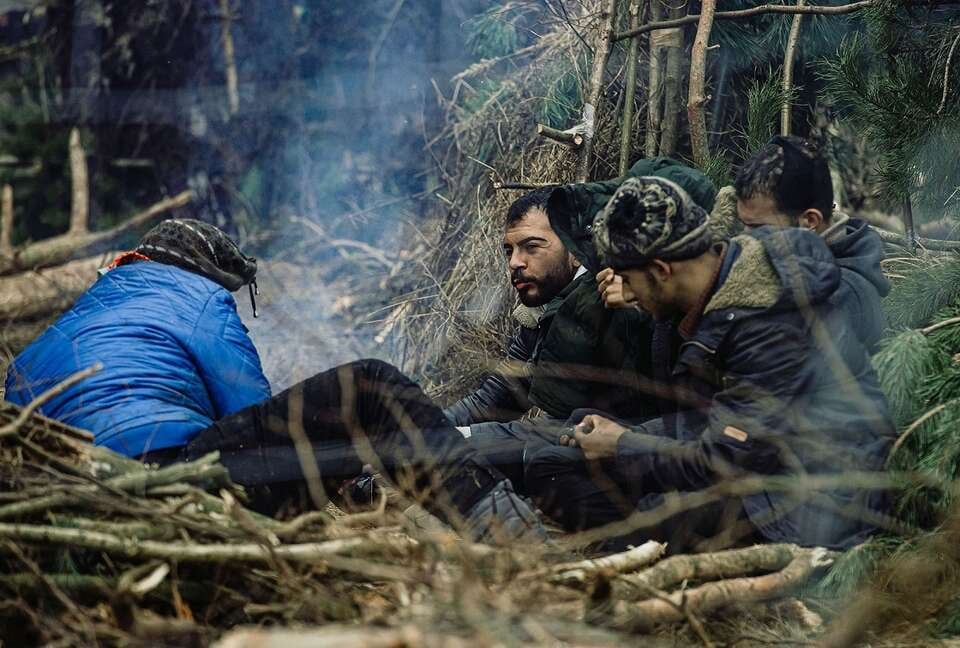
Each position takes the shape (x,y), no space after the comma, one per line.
(80,186)
(607,22)
(787,84)
(626,131)
(696,94)
(229,59)
(655,85)
(908,227)
(671,41)
(6,221)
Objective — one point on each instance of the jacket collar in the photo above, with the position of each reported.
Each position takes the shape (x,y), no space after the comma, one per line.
(688,325)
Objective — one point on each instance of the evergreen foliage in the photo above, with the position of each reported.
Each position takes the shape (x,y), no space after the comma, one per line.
(893,82)
(764,100)
(932,286)
(495,32)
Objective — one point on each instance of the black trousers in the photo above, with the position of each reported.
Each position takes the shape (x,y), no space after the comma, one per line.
(581,495)
(364,412)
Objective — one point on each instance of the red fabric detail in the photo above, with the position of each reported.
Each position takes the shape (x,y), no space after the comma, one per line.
(127,257)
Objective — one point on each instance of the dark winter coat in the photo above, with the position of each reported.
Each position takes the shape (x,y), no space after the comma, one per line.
(776,382)
(858,251)
(579,353)
(175,356)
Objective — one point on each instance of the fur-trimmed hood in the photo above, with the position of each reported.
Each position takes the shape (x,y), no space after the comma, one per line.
(776,269)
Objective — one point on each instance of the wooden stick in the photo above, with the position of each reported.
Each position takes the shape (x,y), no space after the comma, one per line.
(79,185)
(626,128)
(206,553)
(229,59)
(746,13)
(946,75)
(528,186)
(204,469)
(696,94)
(787,82)
(573,140)
(6,220)
(578,574)
(14,426)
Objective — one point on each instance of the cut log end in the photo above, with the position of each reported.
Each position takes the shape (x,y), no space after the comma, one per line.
(572,140)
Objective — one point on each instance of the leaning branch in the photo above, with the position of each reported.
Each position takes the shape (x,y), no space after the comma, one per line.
(936,245)
(746,13)
(65,247)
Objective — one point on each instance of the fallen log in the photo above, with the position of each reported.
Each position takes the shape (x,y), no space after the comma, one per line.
(691,603)
(703,567)
(76,245)
(47,291)
(338,637)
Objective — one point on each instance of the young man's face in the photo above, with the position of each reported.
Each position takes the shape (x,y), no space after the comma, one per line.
(653,290)
(540,266)
(761,209)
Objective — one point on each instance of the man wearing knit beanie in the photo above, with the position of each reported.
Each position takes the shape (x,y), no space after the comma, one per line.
(766,381)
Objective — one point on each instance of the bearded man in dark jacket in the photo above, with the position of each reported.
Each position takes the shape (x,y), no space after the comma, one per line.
(770,380)
(569,352)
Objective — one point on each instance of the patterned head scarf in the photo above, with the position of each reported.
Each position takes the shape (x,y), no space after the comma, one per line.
(200,248)
(650,218)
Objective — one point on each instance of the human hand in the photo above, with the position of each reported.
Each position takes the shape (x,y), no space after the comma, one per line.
(596,436)
(613,292)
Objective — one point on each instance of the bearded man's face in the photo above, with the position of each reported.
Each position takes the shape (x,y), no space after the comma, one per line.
(540,266)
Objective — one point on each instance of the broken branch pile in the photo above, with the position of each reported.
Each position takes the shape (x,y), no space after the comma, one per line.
(98,549)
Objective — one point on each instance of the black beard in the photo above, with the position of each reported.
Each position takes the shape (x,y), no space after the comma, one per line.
(547,288)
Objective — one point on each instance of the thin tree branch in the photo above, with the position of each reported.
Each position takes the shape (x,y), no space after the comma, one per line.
(946,74)
(746,13)
(13,426)
(787,83)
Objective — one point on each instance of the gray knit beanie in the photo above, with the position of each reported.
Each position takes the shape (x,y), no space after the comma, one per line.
(650,218)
